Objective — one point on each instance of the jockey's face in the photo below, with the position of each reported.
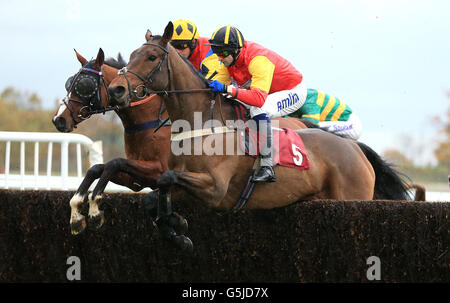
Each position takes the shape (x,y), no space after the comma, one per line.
(184,52)
(227,61)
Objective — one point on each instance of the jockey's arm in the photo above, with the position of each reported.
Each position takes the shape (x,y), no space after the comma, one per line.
(261,69)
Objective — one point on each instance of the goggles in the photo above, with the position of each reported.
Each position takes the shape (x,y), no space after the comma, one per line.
(180,44)
(221,52)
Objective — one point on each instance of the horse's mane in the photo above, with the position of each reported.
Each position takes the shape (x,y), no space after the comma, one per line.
(116,63)
(195,71)
(198,73)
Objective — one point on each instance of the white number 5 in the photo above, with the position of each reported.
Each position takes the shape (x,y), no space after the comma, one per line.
(296,151)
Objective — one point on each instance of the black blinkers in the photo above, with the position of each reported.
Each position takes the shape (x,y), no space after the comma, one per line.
(69,83)
(86,87)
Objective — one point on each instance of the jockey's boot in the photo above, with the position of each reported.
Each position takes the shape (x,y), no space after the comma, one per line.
(266,172)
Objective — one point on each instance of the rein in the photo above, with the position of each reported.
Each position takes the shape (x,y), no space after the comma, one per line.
(149,79)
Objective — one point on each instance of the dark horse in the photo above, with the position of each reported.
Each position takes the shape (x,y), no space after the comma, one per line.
(147,152)
(340,169)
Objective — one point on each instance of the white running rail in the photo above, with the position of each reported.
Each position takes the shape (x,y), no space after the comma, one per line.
(36,181)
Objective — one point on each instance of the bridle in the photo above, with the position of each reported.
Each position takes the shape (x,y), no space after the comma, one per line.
(91,100)
(150,77)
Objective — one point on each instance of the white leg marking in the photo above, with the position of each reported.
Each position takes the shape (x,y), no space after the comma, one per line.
(93,205)
(75,202)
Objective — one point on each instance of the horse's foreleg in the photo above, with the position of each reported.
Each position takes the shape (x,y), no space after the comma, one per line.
(77,220)
(171,225)
(200,185)
(133,174)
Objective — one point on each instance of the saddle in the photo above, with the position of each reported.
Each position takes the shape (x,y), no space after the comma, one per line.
(288,147)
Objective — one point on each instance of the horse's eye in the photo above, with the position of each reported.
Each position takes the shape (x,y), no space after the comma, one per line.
(152,58)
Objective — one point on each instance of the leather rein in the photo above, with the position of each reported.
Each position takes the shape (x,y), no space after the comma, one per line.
(149,79)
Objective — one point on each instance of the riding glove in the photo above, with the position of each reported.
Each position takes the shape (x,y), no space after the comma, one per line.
(218,87)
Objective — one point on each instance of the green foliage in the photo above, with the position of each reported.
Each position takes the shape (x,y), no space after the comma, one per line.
(22,111)
(442,152)
(428,174)
(418,174)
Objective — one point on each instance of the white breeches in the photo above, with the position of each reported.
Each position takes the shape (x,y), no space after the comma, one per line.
(282,103)
(352,128)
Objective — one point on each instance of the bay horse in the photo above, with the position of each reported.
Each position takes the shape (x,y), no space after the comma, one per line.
(146,151)
(339,168)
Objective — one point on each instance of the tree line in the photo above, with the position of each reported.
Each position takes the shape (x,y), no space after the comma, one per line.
(23,112)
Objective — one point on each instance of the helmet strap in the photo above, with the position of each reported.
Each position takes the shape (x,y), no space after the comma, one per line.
(192,47)
(235,56)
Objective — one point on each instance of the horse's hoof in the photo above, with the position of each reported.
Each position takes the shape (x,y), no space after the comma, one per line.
(183,243)
(96,221)
(178,222)
(78,226)
(167,179)
(150,202)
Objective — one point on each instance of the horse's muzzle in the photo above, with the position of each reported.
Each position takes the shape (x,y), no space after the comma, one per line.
(60,124)
(117,95)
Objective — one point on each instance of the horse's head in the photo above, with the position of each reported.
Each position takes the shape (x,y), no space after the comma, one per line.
(86,93)
(147,70)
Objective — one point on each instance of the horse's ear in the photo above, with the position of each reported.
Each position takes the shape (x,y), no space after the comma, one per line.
(99,60)
(80,58)
(121,60)
(168,32)
(148,35)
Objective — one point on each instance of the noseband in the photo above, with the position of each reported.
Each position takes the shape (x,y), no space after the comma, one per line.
(145,81)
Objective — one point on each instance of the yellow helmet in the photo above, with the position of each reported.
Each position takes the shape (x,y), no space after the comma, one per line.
(184,30)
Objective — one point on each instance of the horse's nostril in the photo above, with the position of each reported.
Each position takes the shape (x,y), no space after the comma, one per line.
(60,124)
(117,91)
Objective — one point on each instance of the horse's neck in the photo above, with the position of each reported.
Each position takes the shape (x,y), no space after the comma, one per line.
(139,123)
(190,106)
(109,73)
(142,113)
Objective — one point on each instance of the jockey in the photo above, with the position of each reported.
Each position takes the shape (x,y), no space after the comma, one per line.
(330,113)
(187,41)
(277,88)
